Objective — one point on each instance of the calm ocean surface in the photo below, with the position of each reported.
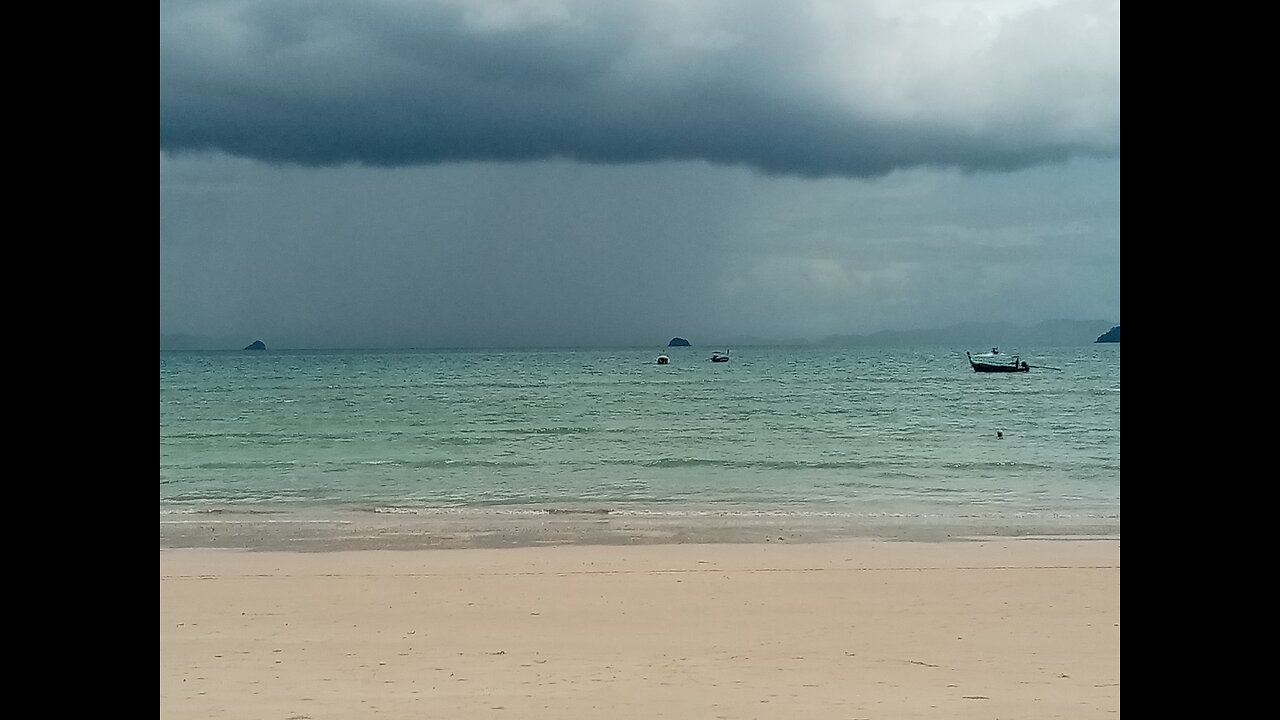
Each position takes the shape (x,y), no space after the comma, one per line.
(851,435)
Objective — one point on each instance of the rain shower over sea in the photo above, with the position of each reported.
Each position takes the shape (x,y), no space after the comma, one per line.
(885,441)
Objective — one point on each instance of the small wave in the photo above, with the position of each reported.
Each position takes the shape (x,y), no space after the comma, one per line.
(453,463)
(757,464)
(206,511)
(1007,465)
(246,465)
(561,430)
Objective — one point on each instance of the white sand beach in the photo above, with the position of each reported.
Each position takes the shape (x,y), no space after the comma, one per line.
(1002,628)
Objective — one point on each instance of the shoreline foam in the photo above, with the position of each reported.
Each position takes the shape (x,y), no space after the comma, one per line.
(351,530)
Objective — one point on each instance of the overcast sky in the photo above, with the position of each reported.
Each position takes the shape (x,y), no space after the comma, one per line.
(443,173)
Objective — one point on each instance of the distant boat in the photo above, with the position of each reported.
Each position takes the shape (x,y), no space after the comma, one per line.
(720,356)
(663,360)
(997,367)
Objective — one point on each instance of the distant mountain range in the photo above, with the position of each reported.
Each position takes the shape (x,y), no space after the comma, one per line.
(183,341)
(984,335)
(967,335)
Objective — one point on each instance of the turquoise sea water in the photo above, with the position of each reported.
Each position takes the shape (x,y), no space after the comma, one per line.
(907,435)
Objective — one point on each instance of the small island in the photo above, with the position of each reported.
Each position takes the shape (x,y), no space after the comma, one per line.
(678,342)
(1110,336)
(256,345)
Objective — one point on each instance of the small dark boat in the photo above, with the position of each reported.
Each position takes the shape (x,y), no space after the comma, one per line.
(720,357)
(998,367)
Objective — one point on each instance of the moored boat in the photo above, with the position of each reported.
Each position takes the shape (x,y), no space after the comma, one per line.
(983,366)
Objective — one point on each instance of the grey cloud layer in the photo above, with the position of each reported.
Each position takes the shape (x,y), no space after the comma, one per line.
(808,87)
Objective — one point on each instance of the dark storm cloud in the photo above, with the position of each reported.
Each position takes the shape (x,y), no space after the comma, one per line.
(566,254)
(806,88)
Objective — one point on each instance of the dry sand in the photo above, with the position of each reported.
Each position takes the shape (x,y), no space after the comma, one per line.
(1004,628)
